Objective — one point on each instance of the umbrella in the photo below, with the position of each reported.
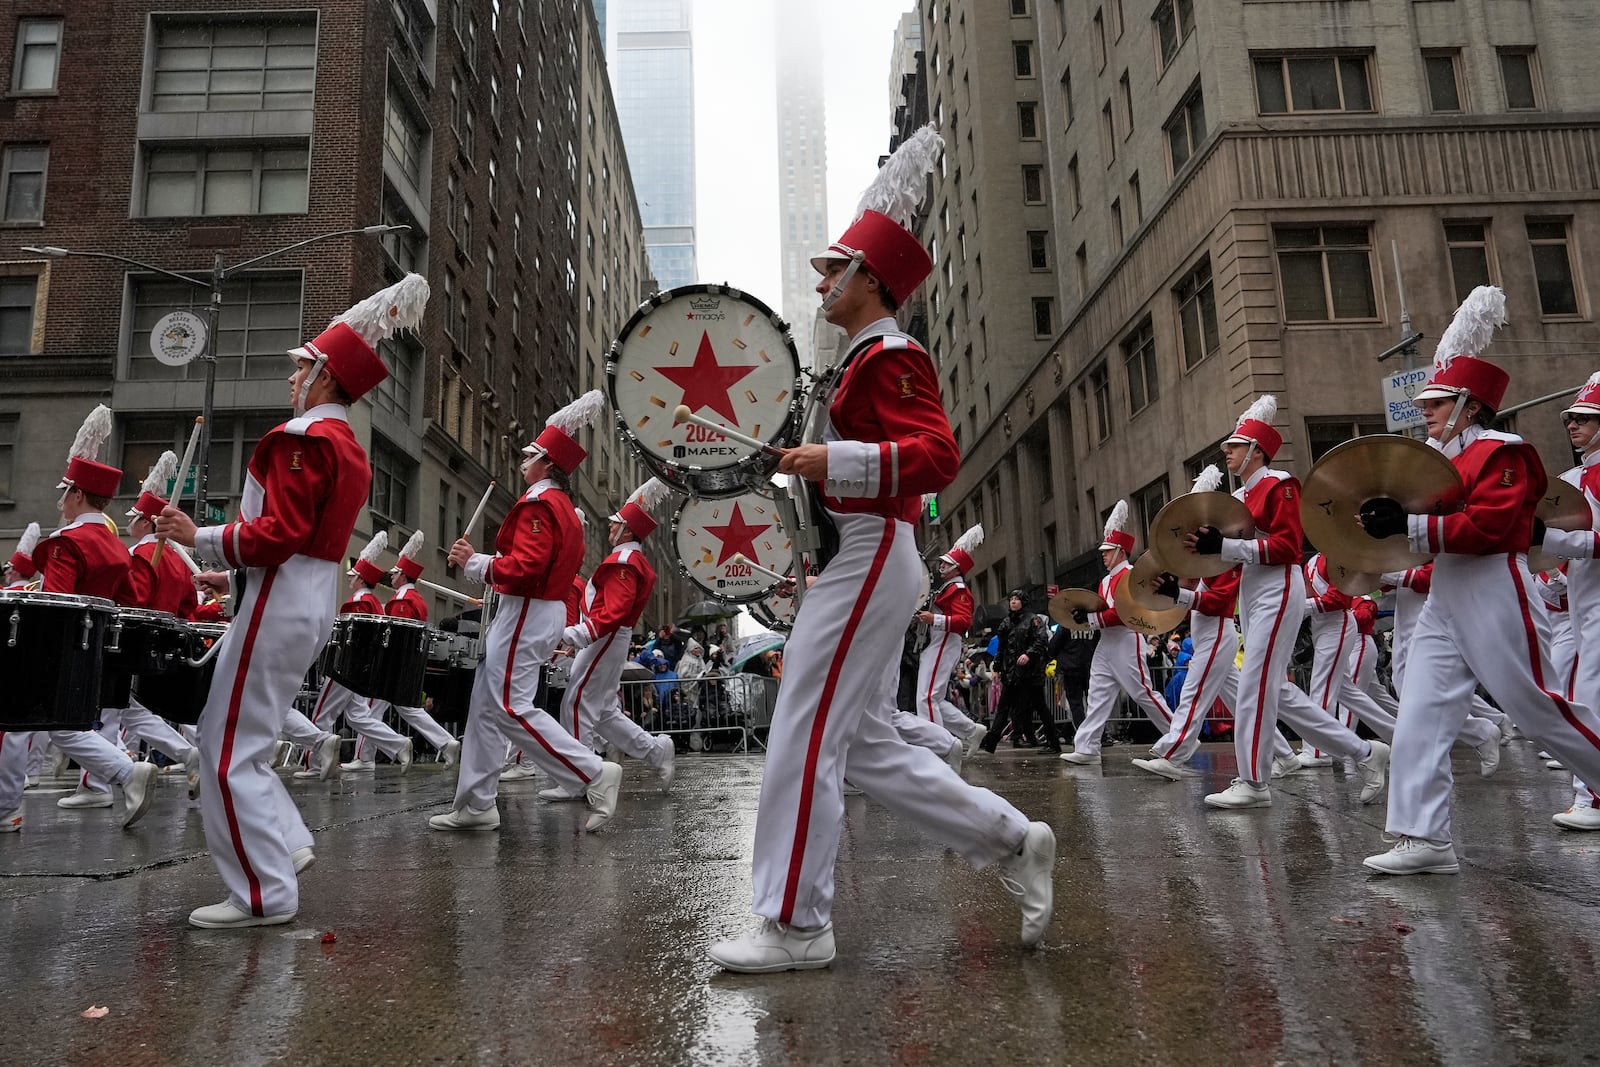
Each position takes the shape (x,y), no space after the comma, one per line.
(633,671)
(709,611)
(751,645)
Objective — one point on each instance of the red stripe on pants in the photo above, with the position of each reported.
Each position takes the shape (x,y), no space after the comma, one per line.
(577,699)
(933,681)
(226,756)
(1194,702)
(1533,656)
(1267,679)
(505,697)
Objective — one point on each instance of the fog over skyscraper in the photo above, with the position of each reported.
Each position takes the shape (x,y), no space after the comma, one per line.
(802,166)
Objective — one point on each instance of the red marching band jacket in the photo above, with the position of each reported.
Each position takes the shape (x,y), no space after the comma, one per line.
(1504,481)
(307,483)
(160,586)
(1325,598)
(539,546)
(364,602)
(84,557)
(618,591)
(1365,609)
(407,603)
(1217,597)
(888,407)
(952,608)
(1273,498)
(580,585)
(1104,620)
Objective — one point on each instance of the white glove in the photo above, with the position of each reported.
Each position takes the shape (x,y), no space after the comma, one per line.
(577,636)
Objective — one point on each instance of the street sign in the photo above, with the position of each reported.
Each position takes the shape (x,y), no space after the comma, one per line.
(178,338)
(215,516)
(188,485)
(1399,413)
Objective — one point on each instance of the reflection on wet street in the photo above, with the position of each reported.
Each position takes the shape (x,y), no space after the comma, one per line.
(1181,935)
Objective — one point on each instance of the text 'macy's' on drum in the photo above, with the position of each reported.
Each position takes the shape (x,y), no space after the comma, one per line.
(52,646)
(723,354)
(711,534)
(379,656)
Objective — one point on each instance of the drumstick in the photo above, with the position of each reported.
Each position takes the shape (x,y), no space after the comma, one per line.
(188,560)
(476,515)
(683,414)
(177,486)
(451,593)
(740,557)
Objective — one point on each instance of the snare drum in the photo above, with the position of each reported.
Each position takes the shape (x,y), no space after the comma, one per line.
(726,356)
(708,534)
(141,642)
(453,660)
(179,693)
(379,656)
(51,649)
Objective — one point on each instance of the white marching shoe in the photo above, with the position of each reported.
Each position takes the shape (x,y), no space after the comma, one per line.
(1374,771)
(775,947)
(84,797)
(136,793)
(1166,768)
(327,757)
(1029,876)
(11,821)
(1082,759)
(1241,794)
(602,796)
(225,916)
(358,765)
(1413,855)
(1488,756)
(404,759)
(518,772)
(302,858)
(953,758)
(976,740)
(669,762)
(191,771)
(1308,761)
(450,753)
(467,819)
(1578,817)
(556,793)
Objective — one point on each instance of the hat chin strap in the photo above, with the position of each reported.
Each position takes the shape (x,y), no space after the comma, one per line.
(1455,414)
(304,393)
(856,259)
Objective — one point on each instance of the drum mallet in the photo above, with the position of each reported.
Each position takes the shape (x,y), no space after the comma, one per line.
(740,557)
(476,515)
(177,486)
(683,414)
(453,594)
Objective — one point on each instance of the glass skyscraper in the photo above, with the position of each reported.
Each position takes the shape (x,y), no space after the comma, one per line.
(652,78)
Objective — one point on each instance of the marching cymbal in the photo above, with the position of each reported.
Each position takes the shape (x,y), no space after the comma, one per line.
(1350,581)
(1062,603)
(1185,514)
(1140,588)
(1135,617)
(1379,465)
(1563,507)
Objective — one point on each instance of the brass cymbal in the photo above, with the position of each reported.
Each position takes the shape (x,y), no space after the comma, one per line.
(1563,507)
(1350,581)
(1140,588)
(1379,465)
(1062,603)
(1138,618)
(1185,514)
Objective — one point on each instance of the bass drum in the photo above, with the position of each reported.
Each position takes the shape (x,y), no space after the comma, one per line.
(774,612)
(724,355)
(708,534)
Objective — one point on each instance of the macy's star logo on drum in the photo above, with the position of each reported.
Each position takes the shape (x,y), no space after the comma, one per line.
(705,382)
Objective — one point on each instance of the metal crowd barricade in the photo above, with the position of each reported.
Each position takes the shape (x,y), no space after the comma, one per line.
(712,709)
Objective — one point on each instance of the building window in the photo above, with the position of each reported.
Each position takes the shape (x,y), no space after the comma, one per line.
(1044,317)
(1444,80)
(8,454)
(407,249)
(1127,105)
(233,439)
(1028,121)
(1325,433)
(1099,400)
(1032,184)
(491,279)
(38,56)
(1066,95)
(18,296)
(1139,360)
(1080,268)
(390,498)
(1211,454)
(1038,249)
(1117,234)
(22,177)
(260,321)
(1302,83)
(1197,314)
(1174,21)
(1186,128)
(1019,8)
(494,188)
(1022,58)
(405,139)
(494,98)
(1470,262)
(1520,79)
(1148,502)
(1326,272)
(1552,266)
(224,65)
(461,116)
(396,393)
(1099,41)
(1108,134)
(1074,185)
(1136,199)
(267,180)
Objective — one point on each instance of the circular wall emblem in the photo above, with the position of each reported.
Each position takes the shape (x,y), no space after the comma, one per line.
(178,338)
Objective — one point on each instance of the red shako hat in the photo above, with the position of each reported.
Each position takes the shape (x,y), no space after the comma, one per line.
(1255,427)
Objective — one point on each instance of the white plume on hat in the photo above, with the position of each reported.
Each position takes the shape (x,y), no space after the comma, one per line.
(161,472)
(375,547)
(413,545)
(650,494)
(95,431)
(1474,324)
(386,312)
(580,413)
(969,540)
(29,539)
(1208,481)
(1118,520)
(1264,410)
(899,185)
(583,518)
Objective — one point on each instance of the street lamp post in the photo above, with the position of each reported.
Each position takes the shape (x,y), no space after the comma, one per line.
(219,274)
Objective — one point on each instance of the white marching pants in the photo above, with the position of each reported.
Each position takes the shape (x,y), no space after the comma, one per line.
(1211,676)
(136,723)
(337,701)
(98,757)
(519,640)
(38,750)
(1118,665)
(301,730)
(1340,649)
(251,824)
(1483,623)
(924,733)
(833,720)
(591,708)
(935,664)
(426,726)
(1483,721)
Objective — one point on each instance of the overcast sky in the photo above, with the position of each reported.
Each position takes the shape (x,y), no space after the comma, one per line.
(736,114)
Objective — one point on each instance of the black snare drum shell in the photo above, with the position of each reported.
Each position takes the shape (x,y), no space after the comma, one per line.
(52,679)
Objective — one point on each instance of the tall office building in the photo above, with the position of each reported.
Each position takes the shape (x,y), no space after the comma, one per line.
(802,167)
(652,78)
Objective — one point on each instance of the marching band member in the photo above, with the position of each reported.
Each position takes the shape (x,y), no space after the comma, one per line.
(305,487)
(1118,663)
(84,557)
(407,603)
(1272,595)
(887,442)
(1483,622)
(1212,675)
(613,602)
(1338,643)
(937,723)
(517,768)
(538,549)
(1581,583)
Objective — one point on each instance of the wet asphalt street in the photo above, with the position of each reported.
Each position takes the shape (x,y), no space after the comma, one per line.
(1181,934)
